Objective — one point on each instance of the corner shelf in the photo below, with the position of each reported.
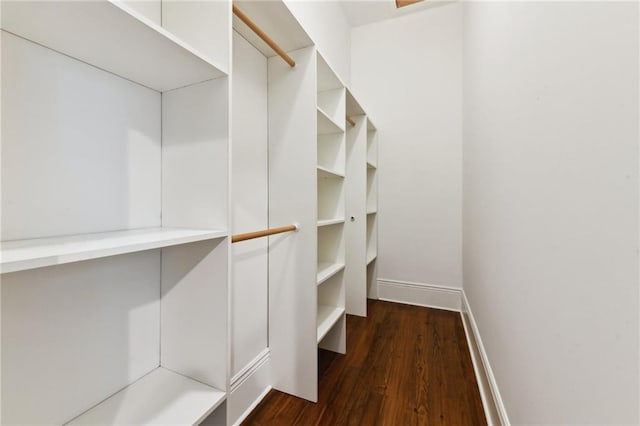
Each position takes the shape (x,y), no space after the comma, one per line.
(328,222)
(113,37)
(20,255)
(326,173)
(160,397)
(328,316)
(326,125)
(326,270)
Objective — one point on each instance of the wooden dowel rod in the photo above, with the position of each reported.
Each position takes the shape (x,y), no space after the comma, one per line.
(266,232)
(350,121)
(256,29)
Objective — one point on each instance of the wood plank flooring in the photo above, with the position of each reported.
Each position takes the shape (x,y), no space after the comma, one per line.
(405,365)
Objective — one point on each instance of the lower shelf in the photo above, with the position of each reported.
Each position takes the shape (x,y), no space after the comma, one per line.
(160,397)
(328,316)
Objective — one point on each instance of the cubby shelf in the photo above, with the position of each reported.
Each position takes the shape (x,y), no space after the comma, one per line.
(113,37)
(328,316)
(326,125)
(160,397)
(370,165)
(328,222)
(371,257)
(20,255)
(326,270)
(372,212)
(323,172)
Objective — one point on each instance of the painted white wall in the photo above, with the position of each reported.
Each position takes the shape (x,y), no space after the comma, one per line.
(250,200)
(551,205)
(326,23)
(407,74)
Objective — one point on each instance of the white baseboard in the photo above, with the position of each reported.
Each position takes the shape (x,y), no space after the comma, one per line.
(249,387)
(429,295)
(489,392)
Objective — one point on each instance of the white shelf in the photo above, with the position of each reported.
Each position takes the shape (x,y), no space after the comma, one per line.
(371,212)
(323,172)
(370,165)
(328,222)
(327,270)
(111,36)
(21,255)
(326,125)
(371,257)
(328,316)
(162,397)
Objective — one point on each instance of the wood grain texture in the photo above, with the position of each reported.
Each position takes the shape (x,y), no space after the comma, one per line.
(405,365)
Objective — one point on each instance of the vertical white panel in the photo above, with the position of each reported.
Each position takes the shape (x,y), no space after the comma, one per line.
(355,227)
(194,311)
(195,155)
(292,257)
(80,146)
(74,334)
(250,202)
(204,25)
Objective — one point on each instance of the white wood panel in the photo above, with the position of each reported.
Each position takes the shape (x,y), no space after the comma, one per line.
(74,334)
(195,131)
(355,231)
(323,172)
(249,298)
(276,20)
(292,257)
(28,254)
(328,316)
(327,269)
(150,9)
(203,25)
(327,78)
(139,50)
(329,222)
(194,311)
(80,147)
(162,397)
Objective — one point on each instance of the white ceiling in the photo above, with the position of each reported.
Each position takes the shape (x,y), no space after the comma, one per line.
(363,12)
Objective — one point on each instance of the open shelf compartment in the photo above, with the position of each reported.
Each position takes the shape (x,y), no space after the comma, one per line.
(113,37)
(328,316)
(160,397)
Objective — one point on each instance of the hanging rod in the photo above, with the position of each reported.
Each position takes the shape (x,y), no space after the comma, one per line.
(350,120)
(260,33)
(265,232)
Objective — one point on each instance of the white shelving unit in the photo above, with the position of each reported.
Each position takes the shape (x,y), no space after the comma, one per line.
(114,246)
(331,319)
(372,210)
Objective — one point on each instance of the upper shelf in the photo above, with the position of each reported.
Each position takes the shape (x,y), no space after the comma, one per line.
(21,255)
(275,19)
(113,37)
(326,125)
(162,397)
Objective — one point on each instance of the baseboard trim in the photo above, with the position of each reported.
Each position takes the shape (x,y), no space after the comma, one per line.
(249,387)
(489,392)
(427,295)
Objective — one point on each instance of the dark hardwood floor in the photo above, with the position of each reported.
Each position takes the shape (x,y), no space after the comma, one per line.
(405,365)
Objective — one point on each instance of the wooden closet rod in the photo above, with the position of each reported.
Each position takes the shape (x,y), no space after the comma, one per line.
(265,232)
(350,120)
(256,29)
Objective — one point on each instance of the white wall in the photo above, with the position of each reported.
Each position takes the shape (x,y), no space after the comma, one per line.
(551,205)
(326,23)
(407,73)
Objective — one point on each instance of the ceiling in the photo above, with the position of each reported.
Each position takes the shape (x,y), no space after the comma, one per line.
(363,12)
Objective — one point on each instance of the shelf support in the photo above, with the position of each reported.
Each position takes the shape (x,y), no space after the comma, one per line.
(260,33)
(264,233)
(350,120)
